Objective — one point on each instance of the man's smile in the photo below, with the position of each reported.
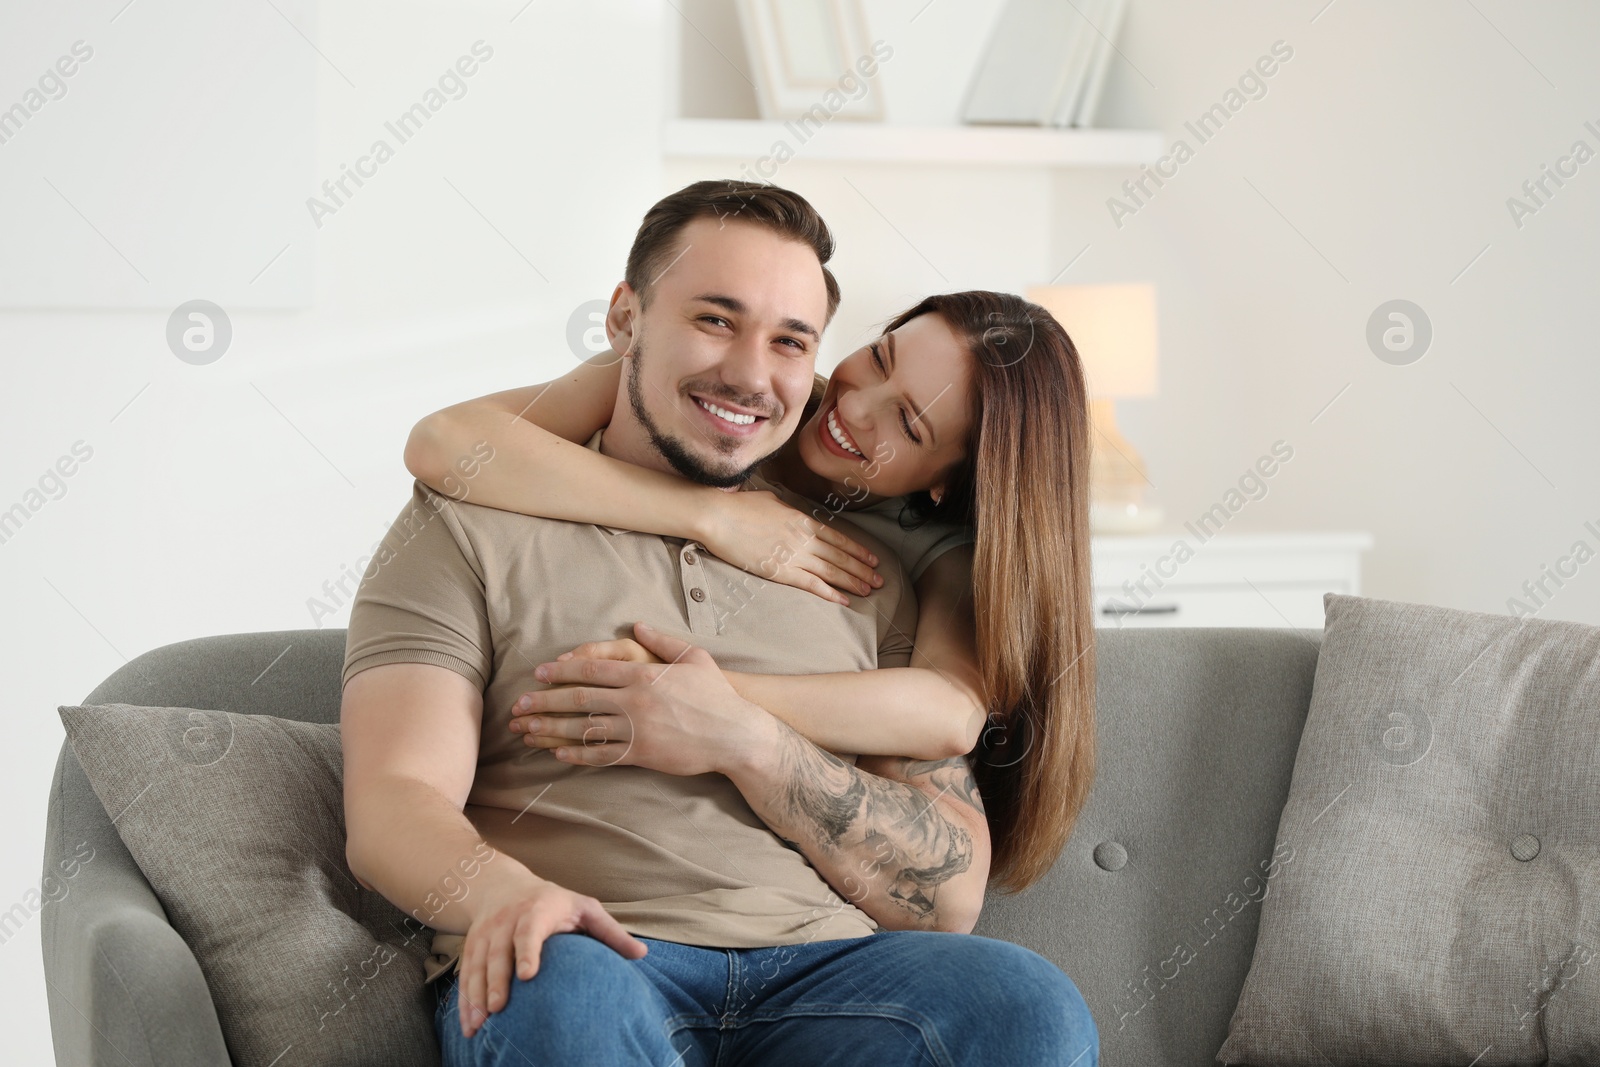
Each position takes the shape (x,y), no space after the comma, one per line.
(729,419)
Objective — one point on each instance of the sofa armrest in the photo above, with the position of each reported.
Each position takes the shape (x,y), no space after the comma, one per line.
(123,988)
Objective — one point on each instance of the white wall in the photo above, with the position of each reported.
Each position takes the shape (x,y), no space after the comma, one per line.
(1391,142)
(221,497)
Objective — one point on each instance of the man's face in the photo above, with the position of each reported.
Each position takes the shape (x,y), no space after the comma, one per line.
(722,357)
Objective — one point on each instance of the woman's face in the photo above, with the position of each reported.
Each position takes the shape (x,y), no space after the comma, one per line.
(900,404)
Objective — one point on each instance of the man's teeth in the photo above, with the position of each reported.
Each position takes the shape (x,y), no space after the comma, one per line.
(838,435)
(724,413)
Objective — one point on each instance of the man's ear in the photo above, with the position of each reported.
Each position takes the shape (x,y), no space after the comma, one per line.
(622,319)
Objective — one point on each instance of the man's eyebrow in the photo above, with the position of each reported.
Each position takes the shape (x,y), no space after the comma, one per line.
(727,303)
(737,306)
(801,326)
(922,416)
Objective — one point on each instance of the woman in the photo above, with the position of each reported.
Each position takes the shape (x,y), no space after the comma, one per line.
(998,453)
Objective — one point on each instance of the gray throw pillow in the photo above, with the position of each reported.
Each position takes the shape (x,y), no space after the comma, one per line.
(1443,906)
(237,822)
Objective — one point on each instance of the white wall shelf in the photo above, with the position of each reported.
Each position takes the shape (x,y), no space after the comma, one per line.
(876,142)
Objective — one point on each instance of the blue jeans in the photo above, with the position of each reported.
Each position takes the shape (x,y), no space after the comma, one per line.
(894,997)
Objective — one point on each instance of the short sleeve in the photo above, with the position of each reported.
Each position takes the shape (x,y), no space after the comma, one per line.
(897,634)
(422,598)
(938,538)
(917,543)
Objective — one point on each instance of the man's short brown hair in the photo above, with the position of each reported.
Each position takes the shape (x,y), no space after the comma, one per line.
(787,214)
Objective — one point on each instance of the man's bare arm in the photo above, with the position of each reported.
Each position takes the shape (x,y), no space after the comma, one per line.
(410,734)
(904,840)
(410,737)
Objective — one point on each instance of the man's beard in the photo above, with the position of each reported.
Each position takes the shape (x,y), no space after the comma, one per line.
(683,461)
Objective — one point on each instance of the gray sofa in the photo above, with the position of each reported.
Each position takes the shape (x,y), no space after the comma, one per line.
(1198,731)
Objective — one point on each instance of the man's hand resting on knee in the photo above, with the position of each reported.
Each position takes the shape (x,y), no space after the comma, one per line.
(509,926)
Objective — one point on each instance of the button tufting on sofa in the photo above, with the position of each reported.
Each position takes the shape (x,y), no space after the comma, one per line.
(1110,855)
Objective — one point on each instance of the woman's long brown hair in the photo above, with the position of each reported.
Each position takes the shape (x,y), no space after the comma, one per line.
(1023,488)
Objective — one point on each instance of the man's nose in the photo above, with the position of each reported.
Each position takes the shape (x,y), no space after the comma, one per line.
(747,371)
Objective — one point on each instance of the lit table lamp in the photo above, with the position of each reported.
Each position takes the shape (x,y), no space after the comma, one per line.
(1113,328)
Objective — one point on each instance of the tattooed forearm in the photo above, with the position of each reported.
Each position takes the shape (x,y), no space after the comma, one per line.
(915,887)
(880,838)
(953,774)
(824,788)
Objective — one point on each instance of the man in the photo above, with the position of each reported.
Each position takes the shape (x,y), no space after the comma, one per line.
(665,894)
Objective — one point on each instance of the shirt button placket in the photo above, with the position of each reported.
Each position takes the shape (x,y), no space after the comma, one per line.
(702,618)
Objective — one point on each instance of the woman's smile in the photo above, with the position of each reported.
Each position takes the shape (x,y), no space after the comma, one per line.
(837,437)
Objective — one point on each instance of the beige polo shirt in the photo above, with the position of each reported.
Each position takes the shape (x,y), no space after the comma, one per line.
(492,594)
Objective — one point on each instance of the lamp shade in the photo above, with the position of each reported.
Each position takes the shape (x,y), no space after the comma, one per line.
(1113,328)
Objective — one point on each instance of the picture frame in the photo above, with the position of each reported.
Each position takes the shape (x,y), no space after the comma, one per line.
(807,55)
(1045,64)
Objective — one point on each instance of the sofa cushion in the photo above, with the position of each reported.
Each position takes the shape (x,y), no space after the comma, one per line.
(237,822)
(1443,906)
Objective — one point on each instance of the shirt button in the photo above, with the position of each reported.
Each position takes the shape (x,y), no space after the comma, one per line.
(697,593)
(689,557)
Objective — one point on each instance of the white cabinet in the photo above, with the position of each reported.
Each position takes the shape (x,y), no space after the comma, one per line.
(1237,580)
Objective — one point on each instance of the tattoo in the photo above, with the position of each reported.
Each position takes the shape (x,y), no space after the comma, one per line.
(915,887)
(886,820)
(834,811)
(953,774)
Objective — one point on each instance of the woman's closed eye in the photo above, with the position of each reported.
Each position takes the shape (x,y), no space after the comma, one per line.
(905,420)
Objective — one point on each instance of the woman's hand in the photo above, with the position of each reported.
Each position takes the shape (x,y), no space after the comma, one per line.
(757,532)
